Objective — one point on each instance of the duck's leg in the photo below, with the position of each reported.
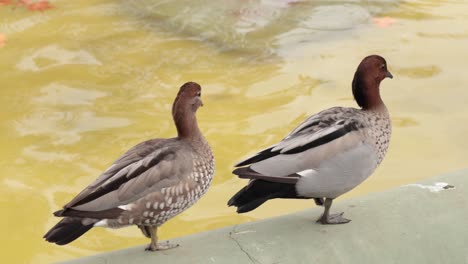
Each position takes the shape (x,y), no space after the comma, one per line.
(331,219)
(145,230)
(154,245)
(319,201)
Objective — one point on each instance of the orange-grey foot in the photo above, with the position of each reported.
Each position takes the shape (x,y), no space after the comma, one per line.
(154,245)
(331,219)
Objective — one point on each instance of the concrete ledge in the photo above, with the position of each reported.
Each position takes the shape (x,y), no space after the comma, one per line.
(420,223)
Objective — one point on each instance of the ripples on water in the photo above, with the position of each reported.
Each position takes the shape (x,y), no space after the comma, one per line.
(83,82)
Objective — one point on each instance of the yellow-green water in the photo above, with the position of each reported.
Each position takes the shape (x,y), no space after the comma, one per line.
(83,82)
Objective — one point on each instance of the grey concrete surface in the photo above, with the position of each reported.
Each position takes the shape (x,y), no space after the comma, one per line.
(420,223)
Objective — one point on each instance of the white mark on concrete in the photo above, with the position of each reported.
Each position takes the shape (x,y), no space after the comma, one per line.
(233,232)
(245,232)
(437,187)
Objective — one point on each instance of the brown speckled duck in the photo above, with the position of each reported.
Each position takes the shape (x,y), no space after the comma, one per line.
(151,183)
(327,155)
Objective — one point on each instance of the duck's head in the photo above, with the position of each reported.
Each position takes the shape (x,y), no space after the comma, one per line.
(188,98)
(366,83)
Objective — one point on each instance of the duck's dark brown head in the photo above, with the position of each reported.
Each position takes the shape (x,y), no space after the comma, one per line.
(366,83)
(189,96)
(185,106)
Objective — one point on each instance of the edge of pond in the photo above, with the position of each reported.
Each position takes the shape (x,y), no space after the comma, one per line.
(414,223)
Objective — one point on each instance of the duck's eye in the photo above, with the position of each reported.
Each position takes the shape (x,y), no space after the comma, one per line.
(382,66)
(199,93)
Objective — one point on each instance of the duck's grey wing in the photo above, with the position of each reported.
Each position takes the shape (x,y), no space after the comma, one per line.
(332,128)
(147,167)
(316,130)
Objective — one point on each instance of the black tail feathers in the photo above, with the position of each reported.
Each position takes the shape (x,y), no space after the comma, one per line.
(259,191)
(67,230)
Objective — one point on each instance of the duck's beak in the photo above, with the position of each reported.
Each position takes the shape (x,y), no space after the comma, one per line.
(389,75)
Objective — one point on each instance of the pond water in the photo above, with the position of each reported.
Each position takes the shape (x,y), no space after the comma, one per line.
(86,80)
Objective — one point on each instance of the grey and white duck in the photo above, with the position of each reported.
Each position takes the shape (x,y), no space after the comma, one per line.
(149,184)
(327,155)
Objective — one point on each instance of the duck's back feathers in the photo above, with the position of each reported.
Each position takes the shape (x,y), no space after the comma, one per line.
(147,167)
(318,130)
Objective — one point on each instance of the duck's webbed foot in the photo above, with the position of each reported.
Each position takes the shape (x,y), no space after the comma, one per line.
(331,219)
(160,246)
(154,245)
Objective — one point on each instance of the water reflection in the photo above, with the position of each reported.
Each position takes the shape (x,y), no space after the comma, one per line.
(258,26)
(58,94)
(53,56)
(419,72)
(65,127)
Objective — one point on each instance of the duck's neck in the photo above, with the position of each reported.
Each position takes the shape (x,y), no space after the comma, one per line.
(366,92)
(186,123)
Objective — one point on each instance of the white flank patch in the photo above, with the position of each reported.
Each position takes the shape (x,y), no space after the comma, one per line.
(102,223)
(437,187)
(306,172)
(338,174)
(126,207)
